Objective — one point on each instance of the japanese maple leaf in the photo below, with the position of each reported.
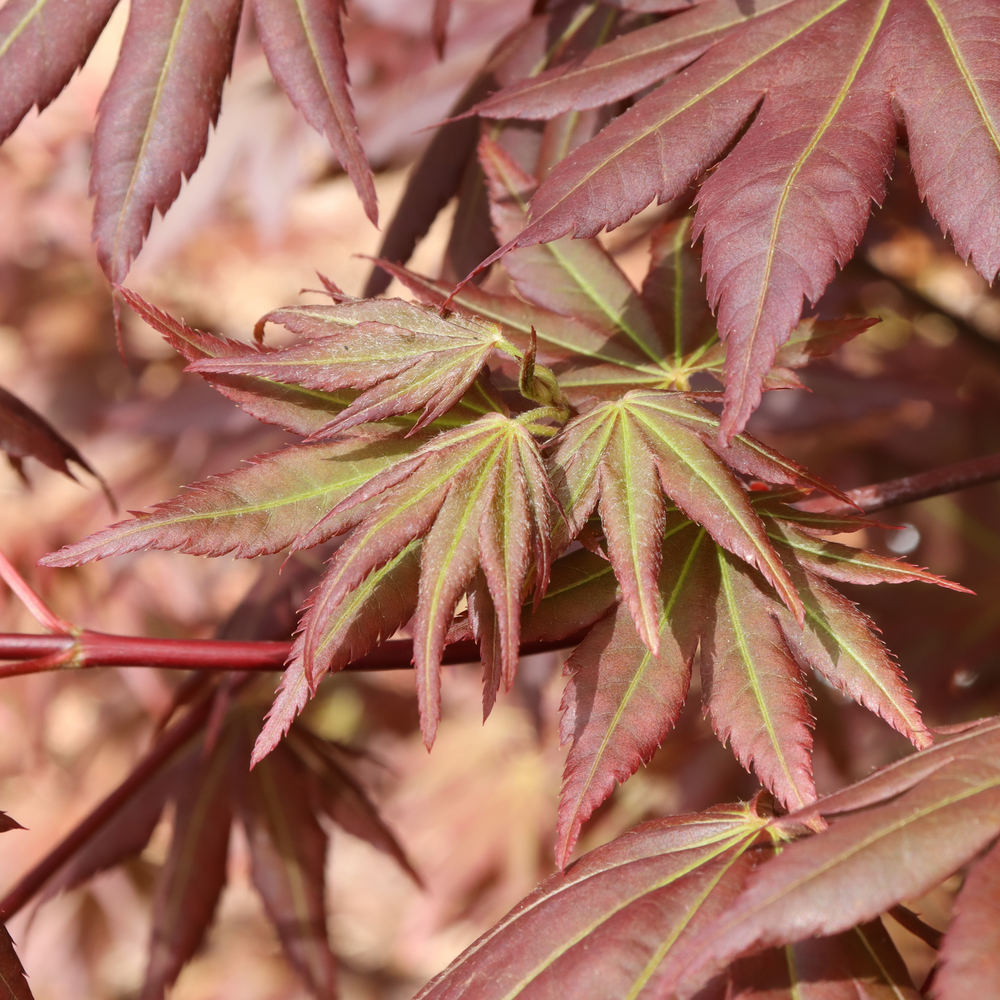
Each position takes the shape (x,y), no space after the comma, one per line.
(819,79)
(623,698)
(623,457)
(403,357)
(479,498)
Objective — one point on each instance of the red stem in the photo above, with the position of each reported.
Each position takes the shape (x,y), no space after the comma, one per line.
(99,649)
(909,489)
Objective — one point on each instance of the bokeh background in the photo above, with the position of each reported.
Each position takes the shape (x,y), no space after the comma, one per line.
(267,209)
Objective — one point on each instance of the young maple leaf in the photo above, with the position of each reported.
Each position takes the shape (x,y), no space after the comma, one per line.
(819,79)
(253,511)
(401,356)
(479,497)
(623,457)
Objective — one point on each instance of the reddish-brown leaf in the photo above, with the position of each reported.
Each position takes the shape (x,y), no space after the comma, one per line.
(26,434)
(582,587)
(13,980)
(860,964)
(288,864)
(622,699)
(970,954)
(753,687)
(253,511)
(154,118)
(41,46)
(623,66)
(859,867)
(612,924)
(341,798)
(304,45)
(195,870)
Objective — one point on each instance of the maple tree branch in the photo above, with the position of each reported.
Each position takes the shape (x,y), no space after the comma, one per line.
(920,486)
(99,649)
(64,650)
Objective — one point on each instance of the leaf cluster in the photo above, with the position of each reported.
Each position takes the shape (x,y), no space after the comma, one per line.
(547,453)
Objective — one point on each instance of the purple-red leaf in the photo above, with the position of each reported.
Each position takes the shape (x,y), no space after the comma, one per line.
(304,45)
(622,699)
(577,278)
(253,511)
(790,201)
(41,46)
(154,118)
(614,922)
(753,687)
(288,864)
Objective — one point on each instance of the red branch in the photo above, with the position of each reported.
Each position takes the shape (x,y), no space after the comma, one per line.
(99,649)
(909,489)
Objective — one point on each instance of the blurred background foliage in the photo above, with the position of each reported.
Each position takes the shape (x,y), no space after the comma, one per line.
(268,207)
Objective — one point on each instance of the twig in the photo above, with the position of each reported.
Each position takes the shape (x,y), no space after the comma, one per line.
(40,611)
(99,649)
(164,748)
(920,486)
(931,936)
(70,648)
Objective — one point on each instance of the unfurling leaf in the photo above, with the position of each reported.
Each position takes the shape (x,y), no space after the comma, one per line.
(401,356)
(153,120)
(480,496)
